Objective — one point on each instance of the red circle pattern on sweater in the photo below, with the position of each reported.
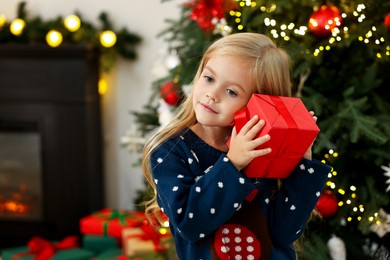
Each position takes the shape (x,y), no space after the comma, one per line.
(237,242)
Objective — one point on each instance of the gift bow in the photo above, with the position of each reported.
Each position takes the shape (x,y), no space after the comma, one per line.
(113,214)
(44,249)
(149,233)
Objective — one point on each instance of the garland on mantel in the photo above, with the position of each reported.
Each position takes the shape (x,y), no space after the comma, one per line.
(74,29)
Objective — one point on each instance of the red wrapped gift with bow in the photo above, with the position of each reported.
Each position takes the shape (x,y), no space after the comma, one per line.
(43,249)
(108,222)
(292,130)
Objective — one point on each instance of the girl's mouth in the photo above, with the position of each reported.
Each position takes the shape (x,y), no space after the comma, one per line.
(208,108)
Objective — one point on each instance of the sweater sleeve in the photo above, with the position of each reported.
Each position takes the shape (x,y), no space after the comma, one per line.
(290,208)
(196,202)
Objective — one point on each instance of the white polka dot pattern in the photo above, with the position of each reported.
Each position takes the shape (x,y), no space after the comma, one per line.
(234,241)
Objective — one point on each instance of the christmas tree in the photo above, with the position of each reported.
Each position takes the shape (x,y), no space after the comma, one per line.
(341,55)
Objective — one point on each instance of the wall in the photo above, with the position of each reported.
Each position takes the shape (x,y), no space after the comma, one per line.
(129,82)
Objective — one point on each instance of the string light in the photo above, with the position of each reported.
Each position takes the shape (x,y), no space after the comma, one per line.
(54,38)
(348,199)
(17,26)
(102,86)
(72,23)
(338,34)
(3,20)
(107,38)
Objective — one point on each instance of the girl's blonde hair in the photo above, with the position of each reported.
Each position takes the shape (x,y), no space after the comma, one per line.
(269,73)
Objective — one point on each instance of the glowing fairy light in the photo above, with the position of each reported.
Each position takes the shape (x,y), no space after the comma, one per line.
(102,86)
(72,23)
(54,38)
(163,231)
(360,7)
(3,20)
(107,38)
(341,191)
(17,26)
(248,3)
(301,30)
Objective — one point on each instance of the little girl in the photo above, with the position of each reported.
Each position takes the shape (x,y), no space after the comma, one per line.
(214,210)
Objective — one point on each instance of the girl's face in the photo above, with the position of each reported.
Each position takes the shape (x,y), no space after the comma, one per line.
(222,89)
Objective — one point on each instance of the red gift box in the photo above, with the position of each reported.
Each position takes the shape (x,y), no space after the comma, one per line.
(110,222)
(292,130)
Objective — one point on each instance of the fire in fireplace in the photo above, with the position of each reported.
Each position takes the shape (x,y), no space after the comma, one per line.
(20,171)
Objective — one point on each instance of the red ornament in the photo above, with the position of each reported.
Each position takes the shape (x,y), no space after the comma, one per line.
(170,93)
(324,20)
(204,11)
(327,205)
(387,21)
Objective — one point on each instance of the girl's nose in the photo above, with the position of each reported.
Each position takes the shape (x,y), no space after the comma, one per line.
(212,96)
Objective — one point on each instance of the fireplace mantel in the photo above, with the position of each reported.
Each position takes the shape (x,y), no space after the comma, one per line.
(55,89)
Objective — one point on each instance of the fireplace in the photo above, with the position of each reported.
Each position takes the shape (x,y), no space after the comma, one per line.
(50,141)
(21,194)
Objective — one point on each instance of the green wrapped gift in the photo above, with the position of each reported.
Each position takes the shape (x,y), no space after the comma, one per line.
(99,244)
(110,254)
(23,253)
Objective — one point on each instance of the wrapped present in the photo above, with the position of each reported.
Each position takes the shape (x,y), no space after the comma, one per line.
(40,249)
(146,238)
(99,243)
(108,222)
(110,254)
(292,130)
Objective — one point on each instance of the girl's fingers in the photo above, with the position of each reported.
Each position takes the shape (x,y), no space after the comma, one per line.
(259,141)
(252,127)
(234,132)
(249,125)
(261,152)
(256,129)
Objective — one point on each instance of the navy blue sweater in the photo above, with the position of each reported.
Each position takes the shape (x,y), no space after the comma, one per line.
(199,189)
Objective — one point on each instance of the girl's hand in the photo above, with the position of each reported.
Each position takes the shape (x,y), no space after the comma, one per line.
(243,145)
(308,153)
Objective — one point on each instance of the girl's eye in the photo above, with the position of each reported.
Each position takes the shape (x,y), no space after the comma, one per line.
(208,79)
(231,92)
